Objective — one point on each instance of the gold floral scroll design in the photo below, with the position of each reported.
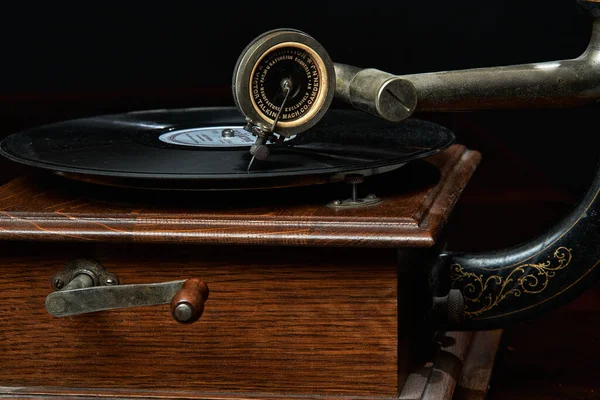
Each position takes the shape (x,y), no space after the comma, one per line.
(482,293)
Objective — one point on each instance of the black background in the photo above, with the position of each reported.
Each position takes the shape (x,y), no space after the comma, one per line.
(106,46)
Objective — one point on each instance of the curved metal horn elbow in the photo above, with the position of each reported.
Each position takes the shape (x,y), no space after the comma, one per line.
(547,84)
(515,284)
(508,286)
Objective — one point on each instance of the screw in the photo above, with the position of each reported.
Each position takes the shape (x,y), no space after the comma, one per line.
(58,283)
(286,84)
(110,281)
(336,202)
(371,197)
(397,100)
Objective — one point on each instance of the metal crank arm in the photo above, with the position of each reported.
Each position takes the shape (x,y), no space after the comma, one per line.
(90,288)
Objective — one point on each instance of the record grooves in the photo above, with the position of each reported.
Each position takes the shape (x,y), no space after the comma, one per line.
(206,148)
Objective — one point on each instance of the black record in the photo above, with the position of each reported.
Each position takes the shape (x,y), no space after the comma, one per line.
(207,148)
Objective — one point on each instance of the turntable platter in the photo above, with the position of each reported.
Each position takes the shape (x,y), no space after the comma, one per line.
(207,148)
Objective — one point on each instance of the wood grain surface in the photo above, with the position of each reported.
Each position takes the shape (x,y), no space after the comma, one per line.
(447,365)
(416,201)
(476,373)
(291,321)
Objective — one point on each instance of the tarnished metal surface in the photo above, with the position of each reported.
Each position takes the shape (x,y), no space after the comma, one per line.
(564,82)
(74,272)
(375,92)
(98,298)
(81,281)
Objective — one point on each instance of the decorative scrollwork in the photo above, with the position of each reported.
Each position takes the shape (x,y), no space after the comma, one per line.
(482,293)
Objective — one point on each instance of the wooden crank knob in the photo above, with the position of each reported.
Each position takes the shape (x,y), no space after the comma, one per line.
(188,303)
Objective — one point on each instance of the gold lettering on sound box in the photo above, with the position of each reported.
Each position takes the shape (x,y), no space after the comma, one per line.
(286,63)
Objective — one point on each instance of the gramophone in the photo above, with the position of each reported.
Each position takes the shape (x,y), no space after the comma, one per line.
(322,292)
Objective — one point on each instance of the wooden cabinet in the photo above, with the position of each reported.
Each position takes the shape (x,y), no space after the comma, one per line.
(304,299)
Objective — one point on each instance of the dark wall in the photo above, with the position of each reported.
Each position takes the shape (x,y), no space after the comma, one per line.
(166,44)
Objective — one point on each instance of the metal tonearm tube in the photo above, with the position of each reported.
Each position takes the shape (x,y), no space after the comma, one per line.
(555,83)
(491,290)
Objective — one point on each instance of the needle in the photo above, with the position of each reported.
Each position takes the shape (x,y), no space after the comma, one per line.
(286,85)
(250,165)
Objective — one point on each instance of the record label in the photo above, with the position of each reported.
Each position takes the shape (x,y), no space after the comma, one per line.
(214,136)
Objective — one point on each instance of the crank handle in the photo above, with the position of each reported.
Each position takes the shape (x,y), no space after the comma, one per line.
(88,290)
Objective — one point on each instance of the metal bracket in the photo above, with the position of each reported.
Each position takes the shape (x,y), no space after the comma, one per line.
(99,276)
(355,201)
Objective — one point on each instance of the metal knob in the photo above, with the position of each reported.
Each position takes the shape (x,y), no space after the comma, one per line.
(448,310)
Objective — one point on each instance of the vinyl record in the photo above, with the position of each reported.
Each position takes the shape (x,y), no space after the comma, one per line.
(207,148)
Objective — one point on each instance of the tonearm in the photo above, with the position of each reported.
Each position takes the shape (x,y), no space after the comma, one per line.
(284,82)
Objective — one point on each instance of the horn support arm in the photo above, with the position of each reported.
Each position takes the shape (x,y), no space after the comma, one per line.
(510,285)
